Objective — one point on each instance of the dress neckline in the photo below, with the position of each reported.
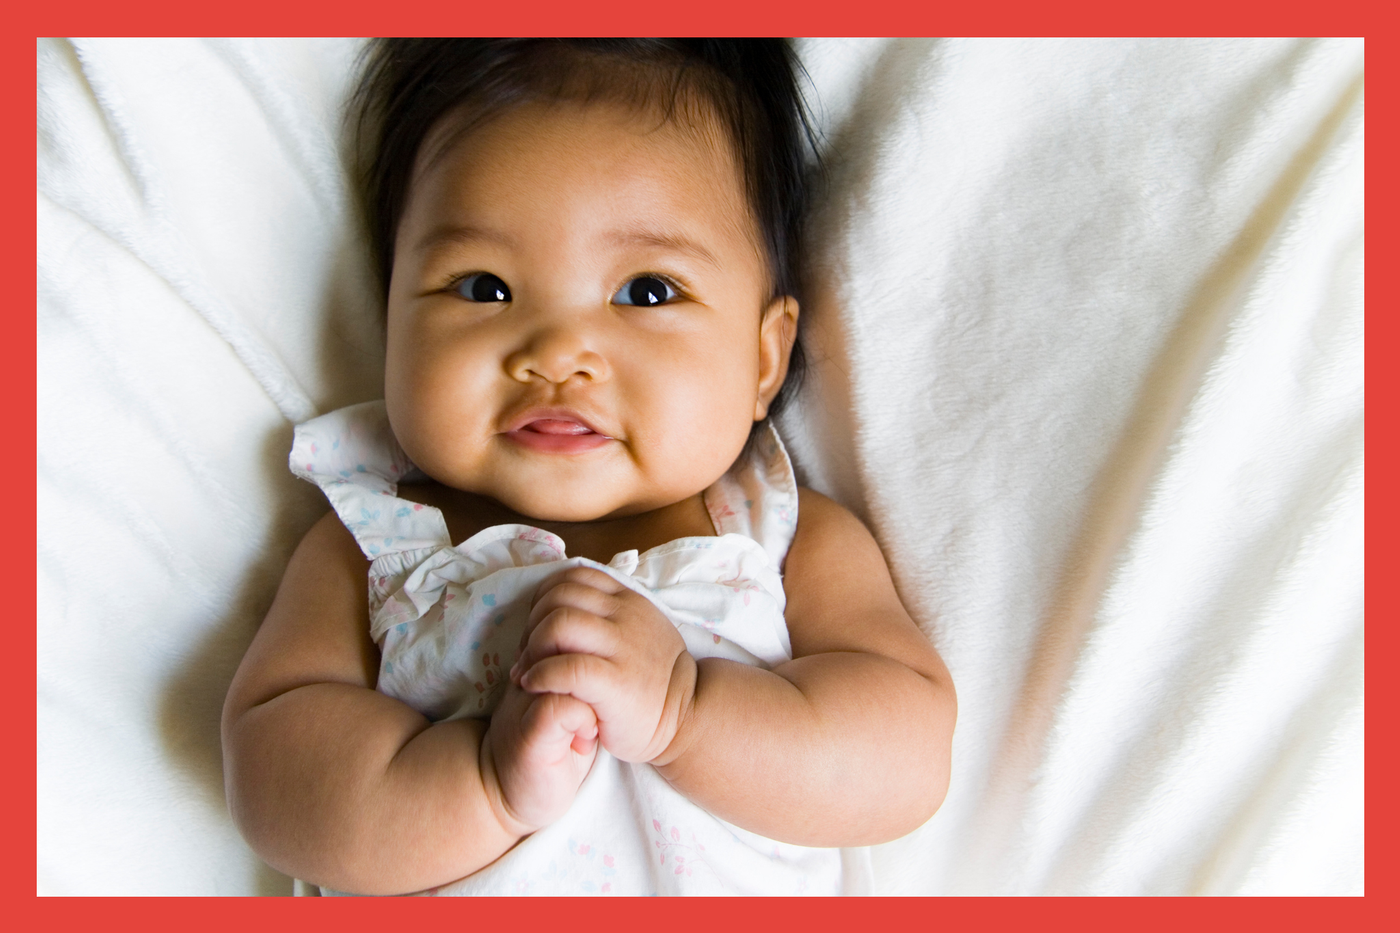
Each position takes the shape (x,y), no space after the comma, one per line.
(352,455)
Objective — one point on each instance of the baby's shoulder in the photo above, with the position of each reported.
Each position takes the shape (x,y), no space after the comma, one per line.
(827,532)
(820,514)
(841,596)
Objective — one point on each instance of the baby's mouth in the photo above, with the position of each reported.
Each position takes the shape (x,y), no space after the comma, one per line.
(555,435)
(557,427)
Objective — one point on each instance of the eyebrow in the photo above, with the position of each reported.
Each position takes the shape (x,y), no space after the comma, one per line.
(666,241)
(466,233)
(461,233)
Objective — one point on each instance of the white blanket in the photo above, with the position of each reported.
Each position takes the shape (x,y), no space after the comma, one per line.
(1087,330)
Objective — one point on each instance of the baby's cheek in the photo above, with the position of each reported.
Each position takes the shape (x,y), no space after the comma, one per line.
(718,430)
(441,407)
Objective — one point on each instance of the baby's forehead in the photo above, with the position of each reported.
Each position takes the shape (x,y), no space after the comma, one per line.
(683,155)
(689,115)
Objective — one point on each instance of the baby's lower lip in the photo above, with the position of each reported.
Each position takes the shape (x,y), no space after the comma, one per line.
(551,435)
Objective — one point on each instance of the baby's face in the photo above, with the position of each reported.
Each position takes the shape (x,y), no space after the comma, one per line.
(579,324)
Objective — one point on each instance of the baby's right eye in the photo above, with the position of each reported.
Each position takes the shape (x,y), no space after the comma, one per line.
(483,286)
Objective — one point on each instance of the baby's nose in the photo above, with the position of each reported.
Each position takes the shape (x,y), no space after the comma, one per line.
(557,355)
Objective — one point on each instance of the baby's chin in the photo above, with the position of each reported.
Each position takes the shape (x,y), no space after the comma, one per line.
(539,503)
(575,511)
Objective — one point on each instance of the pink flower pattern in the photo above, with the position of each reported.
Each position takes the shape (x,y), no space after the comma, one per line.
(684,857)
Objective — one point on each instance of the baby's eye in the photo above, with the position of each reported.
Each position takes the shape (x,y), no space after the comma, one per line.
(644,291)
(482,287)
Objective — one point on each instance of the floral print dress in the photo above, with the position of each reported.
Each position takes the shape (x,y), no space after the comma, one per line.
(448,620)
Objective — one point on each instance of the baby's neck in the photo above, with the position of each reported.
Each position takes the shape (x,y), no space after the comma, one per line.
(599,540)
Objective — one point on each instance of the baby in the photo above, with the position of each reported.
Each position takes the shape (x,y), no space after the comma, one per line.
(653,664)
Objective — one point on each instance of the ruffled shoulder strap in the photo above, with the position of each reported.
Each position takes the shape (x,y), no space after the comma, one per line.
(352,455)
(758,497)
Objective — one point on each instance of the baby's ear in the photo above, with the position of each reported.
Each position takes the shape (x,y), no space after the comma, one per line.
(776,335)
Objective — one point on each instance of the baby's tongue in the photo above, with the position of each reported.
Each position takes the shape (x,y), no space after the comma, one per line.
(554,426)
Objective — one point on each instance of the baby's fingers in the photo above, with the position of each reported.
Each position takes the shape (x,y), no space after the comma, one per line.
(555,723)
(571,590)
(590,577)
(584,677)
(566,630)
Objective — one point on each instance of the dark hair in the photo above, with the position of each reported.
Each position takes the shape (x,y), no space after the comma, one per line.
(407,87)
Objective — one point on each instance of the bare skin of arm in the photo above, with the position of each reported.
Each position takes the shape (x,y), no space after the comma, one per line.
(337,784)
(847,744)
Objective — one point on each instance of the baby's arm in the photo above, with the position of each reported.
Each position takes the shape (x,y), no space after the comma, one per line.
(338,784)
(847,744)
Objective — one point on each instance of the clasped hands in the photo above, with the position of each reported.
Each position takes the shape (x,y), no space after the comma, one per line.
(599,664)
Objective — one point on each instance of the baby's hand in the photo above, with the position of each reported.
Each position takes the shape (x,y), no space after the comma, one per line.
(539,750)
(594,639)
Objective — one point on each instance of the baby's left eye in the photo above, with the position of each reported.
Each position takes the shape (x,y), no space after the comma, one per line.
(645,290)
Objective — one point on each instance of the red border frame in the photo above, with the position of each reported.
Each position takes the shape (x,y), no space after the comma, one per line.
(787,17)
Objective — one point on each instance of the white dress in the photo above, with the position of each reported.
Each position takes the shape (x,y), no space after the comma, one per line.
(448,621)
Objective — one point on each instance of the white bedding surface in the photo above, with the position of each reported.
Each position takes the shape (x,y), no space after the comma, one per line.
(1087,332)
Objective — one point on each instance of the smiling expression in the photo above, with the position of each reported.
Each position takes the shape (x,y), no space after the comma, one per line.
(580,323)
